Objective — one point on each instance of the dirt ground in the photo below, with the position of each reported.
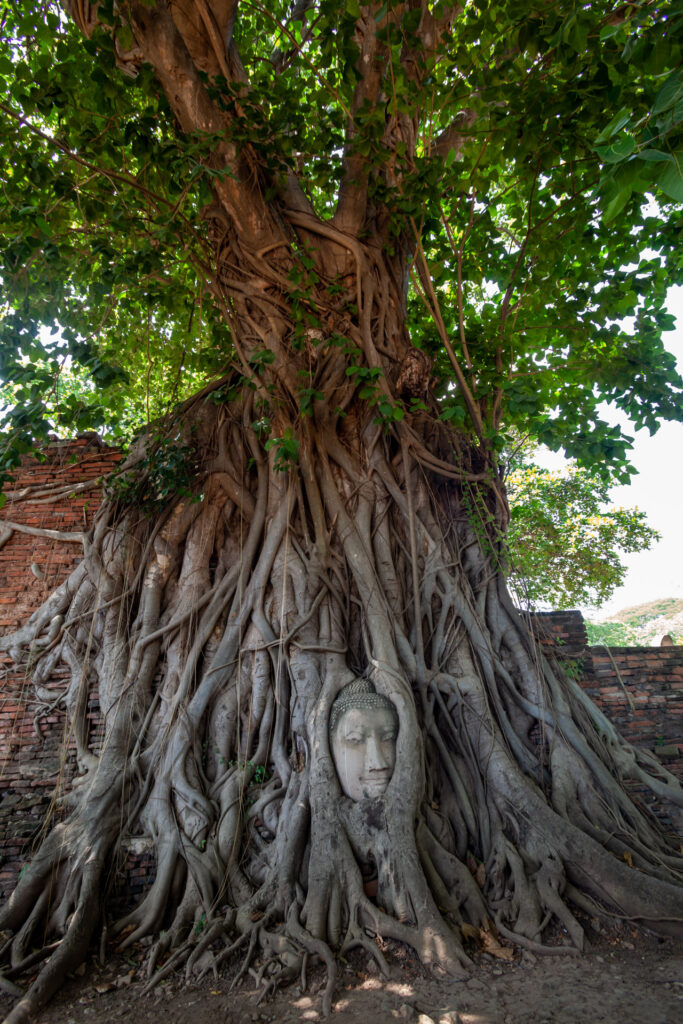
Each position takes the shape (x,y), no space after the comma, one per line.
(628,976)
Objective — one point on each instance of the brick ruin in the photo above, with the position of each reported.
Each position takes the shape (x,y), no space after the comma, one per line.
(639,688)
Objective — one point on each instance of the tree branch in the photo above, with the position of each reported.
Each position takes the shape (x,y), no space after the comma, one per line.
(279,58)
(206,27)
(351,207)
(423,276)
(171,54)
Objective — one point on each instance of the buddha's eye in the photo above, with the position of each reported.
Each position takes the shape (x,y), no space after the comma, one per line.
(354,740)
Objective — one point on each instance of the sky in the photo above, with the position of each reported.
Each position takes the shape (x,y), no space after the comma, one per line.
(657,489)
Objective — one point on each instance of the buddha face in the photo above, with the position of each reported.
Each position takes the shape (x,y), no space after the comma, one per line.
(364,750)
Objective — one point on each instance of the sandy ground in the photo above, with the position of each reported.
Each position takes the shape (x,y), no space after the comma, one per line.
(627,977)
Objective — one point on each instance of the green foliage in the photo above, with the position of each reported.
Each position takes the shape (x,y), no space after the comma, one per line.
(565,539)
(286,449)
(573,667)
(545,187)
(169,469)
(260,774)
(642,625)
(103,321)
(642,145)
(610,634)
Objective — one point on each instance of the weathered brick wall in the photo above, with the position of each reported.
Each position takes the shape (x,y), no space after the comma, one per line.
(640,689)
(565,630)
(34,766)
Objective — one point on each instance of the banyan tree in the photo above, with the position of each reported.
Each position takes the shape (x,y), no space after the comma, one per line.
(316,264)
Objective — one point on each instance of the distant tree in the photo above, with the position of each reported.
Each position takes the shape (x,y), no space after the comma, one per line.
(611,634)
(641,625)
(565,538)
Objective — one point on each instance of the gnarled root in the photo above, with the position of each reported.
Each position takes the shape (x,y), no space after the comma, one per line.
(219,635)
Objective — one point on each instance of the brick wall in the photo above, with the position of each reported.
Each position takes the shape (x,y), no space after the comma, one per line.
(640,689)
(34,766)
(565,630)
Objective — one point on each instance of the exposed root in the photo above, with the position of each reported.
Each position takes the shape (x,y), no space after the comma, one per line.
(218,638)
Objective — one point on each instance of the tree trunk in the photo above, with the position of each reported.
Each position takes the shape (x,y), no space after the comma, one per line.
(220,619)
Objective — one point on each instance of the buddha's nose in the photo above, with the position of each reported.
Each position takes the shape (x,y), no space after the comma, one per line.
(375,758)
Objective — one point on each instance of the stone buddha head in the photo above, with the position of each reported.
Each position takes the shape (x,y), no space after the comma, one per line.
(363,730)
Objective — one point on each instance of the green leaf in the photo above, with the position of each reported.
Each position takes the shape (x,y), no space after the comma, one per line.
(618,150)
(670,180)
(669,94)
(608,31)
(618,122)
(655,156)
(616,205)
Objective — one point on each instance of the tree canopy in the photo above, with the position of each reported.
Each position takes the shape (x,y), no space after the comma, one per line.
(539,199)
(565,537)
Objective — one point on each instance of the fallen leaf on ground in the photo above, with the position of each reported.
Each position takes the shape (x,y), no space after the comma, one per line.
(492,946)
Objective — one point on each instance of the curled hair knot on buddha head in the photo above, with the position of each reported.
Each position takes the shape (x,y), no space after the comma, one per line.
(358,694)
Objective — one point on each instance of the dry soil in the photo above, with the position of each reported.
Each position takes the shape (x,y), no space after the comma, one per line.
(628,976)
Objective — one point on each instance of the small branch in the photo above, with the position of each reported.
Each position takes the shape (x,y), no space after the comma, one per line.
(432,303)
(297,46)
(105,172)
(48,495)
(213,33)
(505,308)
(415,570)
(279,58)
(619,677)
(459,254)
(36,531)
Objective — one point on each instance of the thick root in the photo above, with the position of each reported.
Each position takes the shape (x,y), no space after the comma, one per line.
(219,637)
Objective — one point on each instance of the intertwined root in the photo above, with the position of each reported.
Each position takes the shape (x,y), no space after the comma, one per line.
(218,635)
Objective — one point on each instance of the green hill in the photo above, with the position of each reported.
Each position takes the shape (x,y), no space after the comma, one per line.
(641,625)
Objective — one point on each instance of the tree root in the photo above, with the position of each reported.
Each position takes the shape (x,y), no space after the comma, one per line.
(218,638)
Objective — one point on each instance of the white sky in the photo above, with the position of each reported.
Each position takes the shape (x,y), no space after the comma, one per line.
(658,490)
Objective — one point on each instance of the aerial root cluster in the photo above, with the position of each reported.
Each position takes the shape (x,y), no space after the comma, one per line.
(217,634)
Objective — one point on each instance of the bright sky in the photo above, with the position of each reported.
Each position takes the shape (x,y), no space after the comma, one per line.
(658,490)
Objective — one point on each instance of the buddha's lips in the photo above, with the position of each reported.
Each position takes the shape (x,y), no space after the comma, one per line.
(380,781)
